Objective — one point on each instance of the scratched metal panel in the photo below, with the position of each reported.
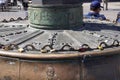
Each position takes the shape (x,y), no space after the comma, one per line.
(102,68)
(9,69)
(50,70)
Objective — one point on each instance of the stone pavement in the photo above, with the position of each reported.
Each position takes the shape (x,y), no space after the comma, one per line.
(14,12)
(111,13)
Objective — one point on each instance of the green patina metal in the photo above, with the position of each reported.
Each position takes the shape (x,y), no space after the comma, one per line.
(60,16)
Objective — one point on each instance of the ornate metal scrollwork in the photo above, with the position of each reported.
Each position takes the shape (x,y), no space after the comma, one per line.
(29,47)
(12,19)
(115,43)
(70,48)
(102,46)
(10,47)
(84,47)
(44,49)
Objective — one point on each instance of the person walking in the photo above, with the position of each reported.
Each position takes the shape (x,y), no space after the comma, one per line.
(25,4)
(105,4)
(2,4)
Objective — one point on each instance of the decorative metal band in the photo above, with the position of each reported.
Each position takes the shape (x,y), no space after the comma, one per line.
(56,17)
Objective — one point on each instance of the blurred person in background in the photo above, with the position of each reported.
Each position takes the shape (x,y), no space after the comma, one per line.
(105,4)
(2,4)
(25,4)
(95,8)
(118,18)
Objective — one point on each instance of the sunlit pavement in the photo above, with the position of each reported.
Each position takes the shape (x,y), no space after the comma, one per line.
(111,13)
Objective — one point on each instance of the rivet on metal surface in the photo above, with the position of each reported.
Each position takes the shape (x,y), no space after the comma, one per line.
(24,31)
(6,26)
(7,40)
(13,25)
(10,34)
(18,32)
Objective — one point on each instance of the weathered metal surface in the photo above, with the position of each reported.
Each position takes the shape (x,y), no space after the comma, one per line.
(50,70)
(60,56)
(82,68)
(9,68)
(68,41)
(81,52)
(20,69)
(61,16)
(65,64)
(102,68)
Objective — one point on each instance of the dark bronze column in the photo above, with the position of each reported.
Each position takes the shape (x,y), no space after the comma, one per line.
(55,13)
